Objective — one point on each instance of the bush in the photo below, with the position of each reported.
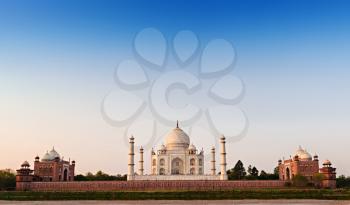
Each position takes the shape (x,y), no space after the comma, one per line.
(7,180)
(300,181)
(317,179)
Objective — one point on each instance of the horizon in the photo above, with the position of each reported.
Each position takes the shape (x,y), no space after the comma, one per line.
(73,74)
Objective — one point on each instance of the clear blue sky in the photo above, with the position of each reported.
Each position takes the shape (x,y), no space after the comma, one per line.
(57,61)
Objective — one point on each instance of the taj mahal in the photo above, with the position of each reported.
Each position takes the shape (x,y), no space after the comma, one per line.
(176,165)
(178,159)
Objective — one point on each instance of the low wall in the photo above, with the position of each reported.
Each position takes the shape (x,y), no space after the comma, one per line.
(148,185)
(176,177)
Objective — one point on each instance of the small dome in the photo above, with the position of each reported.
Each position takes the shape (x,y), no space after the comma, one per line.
(25,164)
(192,147)
(327,162)
(177,138)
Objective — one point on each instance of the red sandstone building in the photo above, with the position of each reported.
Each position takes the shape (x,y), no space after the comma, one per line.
(51,168)
(305,165)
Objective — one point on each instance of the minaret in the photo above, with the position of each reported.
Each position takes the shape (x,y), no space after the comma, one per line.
(213,170)
(141,162)
(223,175)
(131,159)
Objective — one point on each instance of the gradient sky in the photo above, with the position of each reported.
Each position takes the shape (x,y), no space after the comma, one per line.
(57,61)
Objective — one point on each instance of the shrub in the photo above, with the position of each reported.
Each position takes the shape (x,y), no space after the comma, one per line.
(317,179)
(299,181)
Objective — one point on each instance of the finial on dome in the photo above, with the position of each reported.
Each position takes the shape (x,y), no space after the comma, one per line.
(177,124)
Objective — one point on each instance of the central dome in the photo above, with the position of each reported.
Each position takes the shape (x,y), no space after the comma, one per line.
(177,138)
(50,156)
(303,154)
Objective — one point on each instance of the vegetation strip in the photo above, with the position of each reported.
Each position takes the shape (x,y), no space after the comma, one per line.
(338,194)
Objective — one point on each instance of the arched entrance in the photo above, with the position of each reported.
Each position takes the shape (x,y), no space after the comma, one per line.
(192,171)
(65,175)
(177,166)
(287,174)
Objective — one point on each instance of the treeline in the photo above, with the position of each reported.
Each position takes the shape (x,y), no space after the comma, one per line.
(343,182)
(239,172)
(99,176)
(7,180)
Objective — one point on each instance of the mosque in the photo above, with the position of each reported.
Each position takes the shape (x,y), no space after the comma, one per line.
(51,168)
(302,163)
(178,159)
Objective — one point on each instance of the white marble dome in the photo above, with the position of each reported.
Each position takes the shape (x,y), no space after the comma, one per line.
(303,154)
(52,155)
(177,138)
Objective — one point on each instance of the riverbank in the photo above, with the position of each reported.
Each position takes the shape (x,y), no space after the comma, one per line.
(337,194)
(184,202)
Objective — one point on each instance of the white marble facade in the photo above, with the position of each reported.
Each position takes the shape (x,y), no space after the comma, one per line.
(177,159)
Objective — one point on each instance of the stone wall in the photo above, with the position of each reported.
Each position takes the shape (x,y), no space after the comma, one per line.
(148,185)
(176,177)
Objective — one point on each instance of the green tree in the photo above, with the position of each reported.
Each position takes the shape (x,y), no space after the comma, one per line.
(299,181)
(237,172)
(80,177)
(255,172)
(249,170)
(99,176)
(7,179)
(343,182)
(317,179)
(276,171)
(263,175)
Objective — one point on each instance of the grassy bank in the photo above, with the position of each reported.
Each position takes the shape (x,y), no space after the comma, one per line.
(340,194)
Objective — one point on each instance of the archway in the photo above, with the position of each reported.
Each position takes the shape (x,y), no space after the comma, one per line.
(65,175)
(177,166)
(192,171)
(162,162)
(192,162)
(161,171)
(287,174)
